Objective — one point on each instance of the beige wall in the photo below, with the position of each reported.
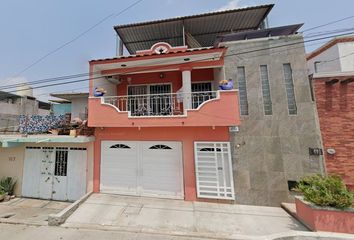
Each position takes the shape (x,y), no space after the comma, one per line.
(11,165)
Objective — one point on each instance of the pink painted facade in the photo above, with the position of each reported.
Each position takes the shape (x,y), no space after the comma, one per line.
(210,121)
(215,112)
(186,135)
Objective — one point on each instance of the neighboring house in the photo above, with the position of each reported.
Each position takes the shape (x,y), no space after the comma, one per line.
(60,107)
(48,166)
(12,106)
(164,128)
(335,56)
(333,89)
(74,103)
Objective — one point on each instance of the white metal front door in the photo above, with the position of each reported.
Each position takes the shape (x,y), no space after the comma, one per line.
(77,167)
(142,168)
(31,172)
(54,173)
(60,174)
(46,178)
(214,170)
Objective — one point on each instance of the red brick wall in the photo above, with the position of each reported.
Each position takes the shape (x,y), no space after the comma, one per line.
(335,105)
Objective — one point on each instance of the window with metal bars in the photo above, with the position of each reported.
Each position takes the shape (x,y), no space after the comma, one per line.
(242,90)
(201,87)
(61,162)
(201,92)
(267,100)
(149,100)
(289,87)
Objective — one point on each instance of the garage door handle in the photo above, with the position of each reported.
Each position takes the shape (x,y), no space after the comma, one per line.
(57,180)
(47,179)
(219,168)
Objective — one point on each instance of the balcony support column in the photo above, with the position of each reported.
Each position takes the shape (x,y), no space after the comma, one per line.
(187,88)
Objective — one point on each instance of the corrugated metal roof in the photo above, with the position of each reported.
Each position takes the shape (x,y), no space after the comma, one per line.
(203,27)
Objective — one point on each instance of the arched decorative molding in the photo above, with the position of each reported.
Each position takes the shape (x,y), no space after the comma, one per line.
(161,48)
(211,149)
(121,146)
(160,146)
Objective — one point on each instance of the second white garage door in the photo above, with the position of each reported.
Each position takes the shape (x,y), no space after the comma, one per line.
(142,168)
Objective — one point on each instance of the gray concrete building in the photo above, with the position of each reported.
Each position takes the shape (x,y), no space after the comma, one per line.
(12,105)
(278,114)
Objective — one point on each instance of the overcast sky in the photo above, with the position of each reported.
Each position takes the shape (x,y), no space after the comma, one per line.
(31,29)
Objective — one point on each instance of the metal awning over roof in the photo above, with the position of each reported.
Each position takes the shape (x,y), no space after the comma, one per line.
(269,32)
(195,31)
(18,140)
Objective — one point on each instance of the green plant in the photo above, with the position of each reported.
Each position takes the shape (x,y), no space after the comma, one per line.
(7,184)
(2,192)
(326,191)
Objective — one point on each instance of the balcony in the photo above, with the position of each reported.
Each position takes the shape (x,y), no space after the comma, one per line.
(169,104)
(210,108)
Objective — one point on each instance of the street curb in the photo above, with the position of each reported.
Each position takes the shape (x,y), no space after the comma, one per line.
(59,218)
(290,235)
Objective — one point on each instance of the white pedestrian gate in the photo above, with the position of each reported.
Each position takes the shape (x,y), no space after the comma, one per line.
(57,173)
(214,170)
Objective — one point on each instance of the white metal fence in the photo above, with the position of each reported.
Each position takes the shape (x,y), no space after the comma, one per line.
(159,104)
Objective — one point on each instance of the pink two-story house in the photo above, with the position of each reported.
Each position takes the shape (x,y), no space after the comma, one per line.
(162,128)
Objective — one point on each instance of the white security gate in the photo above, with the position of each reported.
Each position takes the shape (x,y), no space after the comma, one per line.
(214,170)
(142,168)
(54,173)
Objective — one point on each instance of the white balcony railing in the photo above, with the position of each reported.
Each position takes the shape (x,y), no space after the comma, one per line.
(159,104)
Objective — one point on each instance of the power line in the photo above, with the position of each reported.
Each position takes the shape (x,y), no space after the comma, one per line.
(66,77)
(317,34)
(210,58)
(329,23)
(337,58)
(77,37)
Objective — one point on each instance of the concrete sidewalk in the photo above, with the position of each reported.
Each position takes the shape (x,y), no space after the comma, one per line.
(29,211)
(175,217)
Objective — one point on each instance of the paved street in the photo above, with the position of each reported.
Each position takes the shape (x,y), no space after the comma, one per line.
(25,232)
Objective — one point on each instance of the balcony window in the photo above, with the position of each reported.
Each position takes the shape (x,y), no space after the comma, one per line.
(201,92)
(146,100)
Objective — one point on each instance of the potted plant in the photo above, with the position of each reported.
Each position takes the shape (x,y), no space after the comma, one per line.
(326,204)
(2,195)
(7,185)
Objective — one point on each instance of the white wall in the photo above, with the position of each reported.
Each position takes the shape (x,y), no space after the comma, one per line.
(329,54)
(78,106)
(346,52)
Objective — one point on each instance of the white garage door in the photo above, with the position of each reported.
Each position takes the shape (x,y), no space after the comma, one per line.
(142,168)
